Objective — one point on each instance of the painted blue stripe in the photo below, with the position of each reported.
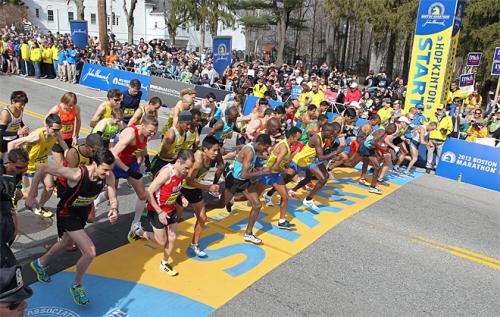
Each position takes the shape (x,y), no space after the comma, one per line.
(111,297)
(268,228)
(307,216)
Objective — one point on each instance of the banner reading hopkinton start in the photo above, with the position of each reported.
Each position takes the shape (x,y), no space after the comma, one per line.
(436,36)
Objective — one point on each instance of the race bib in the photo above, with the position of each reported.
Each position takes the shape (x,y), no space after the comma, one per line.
(128,112)
(83,201)
(66,128)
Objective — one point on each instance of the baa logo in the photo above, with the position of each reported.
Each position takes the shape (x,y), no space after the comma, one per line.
(449,157)
(435,14)
(222,49)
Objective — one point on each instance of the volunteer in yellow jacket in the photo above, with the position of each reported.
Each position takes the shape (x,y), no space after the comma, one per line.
(40,143)
(103,111)
(25,58)
(437,137)
(36,59)
(47,65)
(260,88)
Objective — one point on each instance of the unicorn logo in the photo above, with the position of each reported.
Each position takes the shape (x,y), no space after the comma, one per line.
(449,157)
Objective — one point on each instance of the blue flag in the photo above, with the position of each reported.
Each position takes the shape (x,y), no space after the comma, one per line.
(79,33)
(222,53)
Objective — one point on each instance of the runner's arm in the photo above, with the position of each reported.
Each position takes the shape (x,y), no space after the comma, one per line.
(314,141)
(71,174)
(376,135)
(100,126)
(162,178)
(113,201)
(220,168)
(167,141)
(190,179)
(218,126)
(126,138)
(31,138)
(175,116)
(135,118)
(280,154)
(51,111)
(247,163)
(97,115)
(78,122)
(72,158)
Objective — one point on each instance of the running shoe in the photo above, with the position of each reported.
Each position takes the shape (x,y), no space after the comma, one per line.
(165,267)
(406,173)
(268,200)
(44,212)
(396,169)
(229,206)
(310,204)
(293,195)
(41,274)
(251,238)
(79,296)
(309,186)
(132,235)
(375,190)
(363,181)
(196,249)
(286,225)
(382,182)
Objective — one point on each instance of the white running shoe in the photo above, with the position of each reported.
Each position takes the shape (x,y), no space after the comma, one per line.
(199,253)
(268,200)
(310,204)
(251,238)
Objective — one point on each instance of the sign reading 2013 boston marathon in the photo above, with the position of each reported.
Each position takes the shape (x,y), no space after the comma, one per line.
(105,78)
(476,164)
(432,54)
(222,53)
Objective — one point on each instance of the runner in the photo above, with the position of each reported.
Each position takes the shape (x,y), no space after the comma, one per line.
(207,109)
(151,109)
(192,139)
(185,104)
(354,158)
(172,142)
(69,112)
(224,128)
(11,120)
(372,150)
(239,180)
(40,142)
(162,196)
(193,188)
(108,128)
(105,109)
(278,162)
(84,184)
(310,160)
(131,99)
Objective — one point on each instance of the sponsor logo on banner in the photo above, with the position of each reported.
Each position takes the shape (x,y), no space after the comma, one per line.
(222,53)
(475,163)
(79,33)
(96,73)
(433,53)
(474,59)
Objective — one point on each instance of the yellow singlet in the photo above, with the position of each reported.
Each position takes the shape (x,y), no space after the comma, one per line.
(307,155)
(39,152)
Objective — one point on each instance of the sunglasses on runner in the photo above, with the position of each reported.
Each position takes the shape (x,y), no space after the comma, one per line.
(15,305)
(117,99)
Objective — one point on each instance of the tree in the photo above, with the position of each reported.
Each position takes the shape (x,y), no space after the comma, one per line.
(13,14)
(209,13)
(129,13)
(176,13)
(103,27)
(80,10)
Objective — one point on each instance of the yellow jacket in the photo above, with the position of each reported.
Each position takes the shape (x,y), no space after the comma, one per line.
(452,94)
(472,102)
(259,91)
(385,114)
(25,51)
(54,50)
(47,55)
(473,134)
(316,98)
(36,54)
(445,123)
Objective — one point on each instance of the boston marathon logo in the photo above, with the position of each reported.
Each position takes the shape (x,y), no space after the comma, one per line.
(221,52)
(435,15)
(449,157)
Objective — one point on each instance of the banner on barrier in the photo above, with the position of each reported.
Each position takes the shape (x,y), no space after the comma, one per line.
(436,36)
(169,91)
(471,163)
(79,33)
(105,78)
(222,53)
(202,92)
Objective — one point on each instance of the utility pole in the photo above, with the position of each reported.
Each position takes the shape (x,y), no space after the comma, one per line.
(103,27)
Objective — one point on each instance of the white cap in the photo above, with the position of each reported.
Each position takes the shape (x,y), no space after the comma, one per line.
(404,119)
(354,85)
(355,104)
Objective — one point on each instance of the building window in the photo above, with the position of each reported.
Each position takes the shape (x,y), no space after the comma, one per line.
(50,15)
(37,13)
(115,19)
(108,20)
(156,25)
(92,18)
(71,16)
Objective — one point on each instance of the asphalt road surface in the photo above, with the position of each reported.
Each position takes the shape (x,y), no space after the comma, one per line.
(430,248)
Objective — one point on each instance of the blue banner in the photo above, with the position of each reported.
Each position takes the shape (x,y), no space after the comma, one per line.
(222,53)
(105,78)
(79,33)
(296,91)
(466,80)
(472,163)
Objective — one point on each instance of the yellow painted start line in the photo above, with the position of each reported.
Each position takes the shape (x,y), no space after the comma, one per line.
(83,131)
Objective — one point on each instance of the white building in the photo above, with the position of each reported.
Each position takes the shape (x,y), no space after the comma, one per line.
(54,15)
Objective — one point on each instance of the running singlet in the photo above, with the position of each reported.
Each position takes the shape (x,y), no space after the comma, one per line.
(189,140)
(305,137)
(78,201)
(67,121)
(107,110)
(272,157)
(226,131)
(131,152)
(307,155)
(82,160)
(202,172)
(39,152)
(14,125)
(368,142)
(109,130)
(178,144)
(167,195)
(170,120)
(205,110)
(238,166)
(143,108)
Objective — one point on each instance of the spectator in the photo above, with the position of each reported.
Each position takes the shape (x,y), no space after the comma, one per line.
(353,94)
(437,137)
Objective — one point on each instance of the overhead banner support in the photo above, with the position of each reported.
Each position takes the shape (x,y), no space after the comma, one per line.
(433,54)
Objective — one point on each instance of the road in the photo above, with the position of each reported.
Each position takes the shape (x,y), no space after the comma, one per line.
(432,247)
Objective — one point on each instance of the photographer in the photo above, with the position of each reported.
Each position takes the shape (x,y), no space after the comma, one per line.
(477,129)
(10,193)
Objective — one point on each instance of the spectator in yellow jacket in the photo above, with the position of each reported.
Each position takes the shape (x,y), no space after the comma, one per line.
(473,100)
(260,88)
(47,66)
(438,136)
(36,58)
(55,58)
(477,130)
(25,58)
(316,95)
